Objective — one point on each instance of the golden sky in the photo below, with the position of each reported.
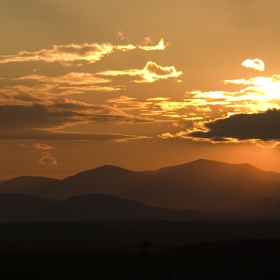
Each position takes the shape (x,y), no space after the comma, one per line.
(138,84)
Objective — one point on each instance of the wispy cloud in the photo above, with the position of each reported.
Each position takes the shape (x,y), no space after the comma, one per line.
(42,89)
(41,146)
(74,53)
(47,159)
(160,46)
(120,35)
(161,108)
(72,78)
(150,73)
(72,83)
(33,88)
(64,54)
(256,64)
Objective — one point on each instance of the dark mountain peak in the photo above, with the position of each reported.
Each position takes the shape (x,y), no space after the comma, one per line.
(202,160)
(14,206)
(30,179)
(16,197)
(23,182)
(198,185)
(106,169)
(100,199)
(109,166)
(197,165)
(112,168)
(106,207)
(212,168)
(214,163)
(107,179)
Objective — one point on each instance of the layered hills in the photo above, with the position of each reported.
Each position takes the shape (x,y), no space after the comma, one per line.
(202,185)
(103,207)
(14,207)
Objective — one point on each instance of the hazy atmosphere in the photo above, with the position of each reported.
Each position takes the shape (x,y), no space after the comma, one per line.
(137,84)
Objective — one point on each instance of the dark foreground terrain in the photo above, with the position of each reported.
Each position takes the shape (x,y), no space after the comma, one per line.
(124,236)
(250,259)
(110,250)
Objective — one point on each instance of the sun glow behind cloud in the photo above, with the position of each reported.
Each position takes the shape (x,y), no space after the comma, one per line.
(259,95)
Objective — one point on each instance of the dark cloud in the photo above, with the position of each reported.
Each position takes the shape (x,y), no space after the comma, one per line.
(58,115)
(53,135)
(22,117)
(264,126)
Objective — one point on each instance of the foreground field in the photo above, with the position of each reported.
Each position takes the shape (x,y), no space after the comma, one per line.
(204,261)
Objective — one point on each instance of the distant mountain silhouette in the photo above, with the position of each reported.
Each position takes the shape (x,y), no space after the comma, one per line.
(205,184)
(14,207)
(202,185)
(110,180)
(103,207)
(92,207)
(211,168)
(37,186)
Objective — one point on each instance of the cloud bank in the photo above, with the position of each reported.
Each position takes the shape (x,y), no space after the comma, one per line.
(263,126)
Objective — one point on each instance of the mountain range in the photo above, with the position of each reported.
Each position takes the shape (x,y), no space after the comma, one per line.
(89,207)
(184,192)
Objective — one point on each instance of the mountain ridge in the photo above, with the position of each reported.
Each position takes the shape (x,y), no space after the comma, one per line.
(200,185)
(99,207)
(103,207)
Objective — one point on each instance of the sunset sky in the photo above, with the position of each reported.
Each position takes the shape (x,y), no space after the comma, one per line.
(138,84)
